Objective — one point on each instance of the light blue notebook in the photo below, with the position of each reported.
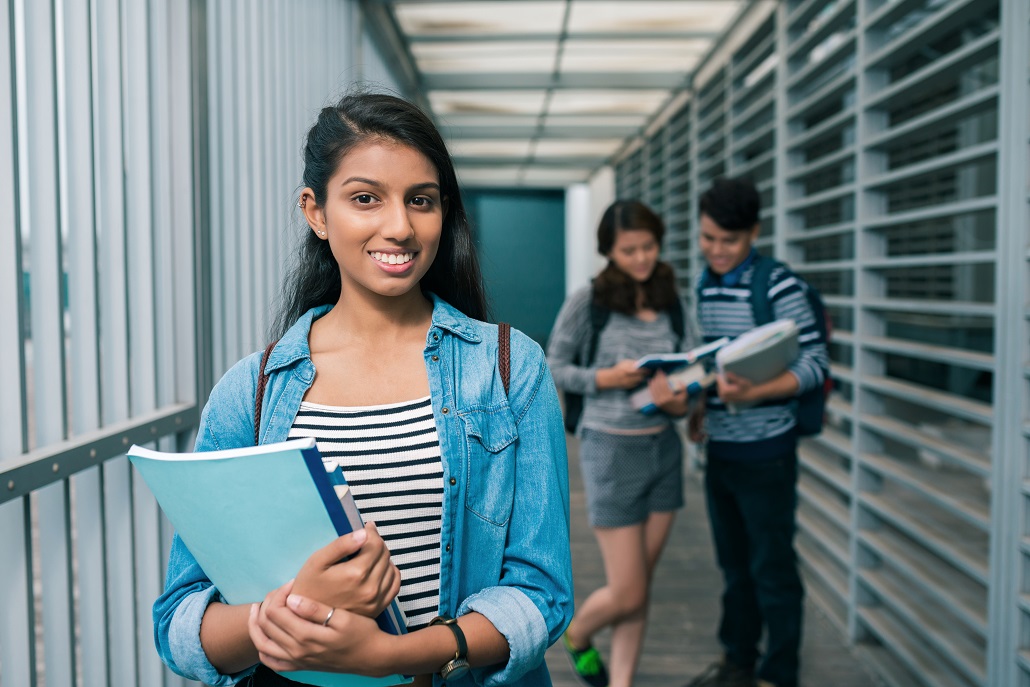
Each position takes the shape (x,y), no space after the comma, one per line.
(252,517)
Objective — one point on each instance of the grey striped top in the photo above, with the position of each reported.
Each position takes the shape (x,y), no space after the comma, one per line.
(623,337)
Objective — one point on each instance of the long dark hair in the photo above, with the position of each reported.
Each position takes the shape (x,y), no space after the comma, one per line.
(314,276)
(613,288)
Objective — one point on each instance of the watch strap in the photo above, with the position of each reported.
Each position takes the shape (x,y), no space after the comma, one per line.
(459,636)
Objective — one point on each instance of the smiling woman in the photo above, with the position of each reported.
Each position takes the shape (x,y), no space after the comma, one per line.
(380,317)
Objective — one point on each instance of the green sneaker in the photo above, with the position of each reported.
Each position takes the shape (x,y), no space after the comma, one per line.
(587,664)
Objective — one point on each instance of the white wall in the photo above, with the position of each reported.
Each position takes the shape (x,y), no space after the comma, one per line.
(584,205)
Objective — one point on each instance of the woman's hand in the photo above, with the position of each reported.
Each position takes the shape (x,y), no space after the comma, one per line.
(668,401)
(364,584)
(622,375)
(289,633)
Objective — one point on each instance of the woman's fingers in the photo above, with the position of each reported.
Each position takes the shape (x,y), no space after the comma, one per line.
(339,549)
(309,609)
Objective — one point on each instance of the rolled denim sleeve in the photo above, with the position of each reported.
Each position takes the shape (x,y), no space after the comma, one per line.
(569,336)
(534,603)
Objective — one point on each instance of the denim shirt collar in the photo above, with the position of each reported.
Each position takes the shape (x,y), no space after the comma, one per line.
(294,344)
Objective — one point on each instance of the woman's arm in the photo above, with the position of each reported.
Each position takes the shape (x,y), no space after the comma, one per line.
(289,633)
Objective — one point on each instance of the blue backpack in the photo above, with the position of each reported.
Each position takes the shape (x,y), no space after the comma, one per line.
(811,409)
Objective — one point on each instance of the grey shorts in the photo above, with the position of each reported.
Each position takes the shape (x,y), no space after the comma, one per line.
(628,477)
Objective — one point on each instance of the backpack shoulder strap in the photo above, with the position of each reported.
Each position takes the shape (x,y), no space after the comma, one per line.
(677,319)
(760,304)
(504,354)
(598,319)
(259,397)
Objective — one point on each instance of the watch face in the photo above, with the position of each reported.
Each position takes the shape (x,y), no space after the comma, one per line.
(455,669)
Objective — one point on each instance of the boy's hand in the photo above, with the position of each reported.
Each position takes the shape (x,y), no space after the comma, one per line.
(735,389)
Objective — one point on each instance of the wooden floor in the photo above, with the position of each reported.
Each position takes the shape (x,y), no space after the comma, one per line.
(685,605)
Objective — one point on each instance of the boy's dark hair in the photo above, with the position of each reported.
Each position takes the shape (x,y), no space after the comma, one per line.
(617,291)
(314,276)
(733,204)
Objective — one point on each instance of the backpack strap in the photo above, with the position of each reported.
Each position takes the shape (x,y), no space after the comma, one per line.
(677,319)
(260,395)
(760,305)
(504,353)
(598,319)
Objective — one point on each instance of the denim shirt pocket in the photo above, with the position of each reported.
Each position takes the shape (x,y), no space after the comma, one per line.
(490,436)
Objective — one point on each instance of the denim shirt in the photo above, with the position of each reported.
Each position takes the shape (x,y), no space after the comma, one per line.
(505,530)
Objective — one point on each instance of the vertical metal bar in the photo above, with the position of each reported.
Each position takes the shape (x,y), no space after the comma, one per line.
(118,513)
(1009,445)
(109,176)
(866,323)
(17,622)
(90,545)
(39,165)
(202,66)
(13,405)
(781,158)
(245,230)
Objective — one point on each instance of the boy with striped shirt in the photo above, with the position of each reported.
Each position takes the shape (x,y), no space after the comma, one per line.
(751,464)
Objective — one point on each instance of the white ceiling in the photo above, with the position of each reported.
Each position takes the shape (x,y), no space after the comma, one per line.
(543,92)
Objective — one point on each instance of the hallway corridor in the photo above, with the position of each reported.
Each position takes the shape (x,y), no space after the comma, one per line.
(685,610)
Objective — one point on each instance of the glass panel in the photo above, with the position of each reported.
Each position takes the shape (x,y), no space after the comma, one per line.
(837,247)
(967,231)
(969,283)
(828,213)
(961,381)
(832,283)
(971,180)
(965,332)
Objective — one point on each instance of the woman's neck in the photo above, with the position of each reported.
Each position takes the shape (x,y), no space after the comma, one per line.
(372,316)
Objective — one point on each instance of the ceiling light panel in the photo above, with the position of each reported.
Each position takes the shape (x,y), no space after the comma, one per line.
(590,147)
(479,18)
(486,102)
(613,56)
(642,102)
(599,16)
(485,57)
(518,148)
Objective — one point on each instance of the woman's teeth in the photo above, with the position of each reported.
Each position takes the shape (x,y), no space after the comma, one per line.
(392,258)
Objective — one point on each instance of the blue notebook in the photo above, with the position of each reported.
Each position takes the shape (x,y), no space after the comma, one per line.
(252,517)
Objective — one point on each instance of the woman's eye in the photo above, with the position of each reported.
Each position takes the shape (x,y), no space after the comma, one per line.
(364,198)
(421,201)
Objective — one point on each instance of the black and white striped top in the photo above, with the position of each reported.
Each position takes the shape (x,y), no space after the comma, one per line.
(390,456)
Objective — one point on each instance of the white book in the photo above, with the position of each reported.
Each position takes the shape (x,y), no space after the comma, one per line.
(759,354)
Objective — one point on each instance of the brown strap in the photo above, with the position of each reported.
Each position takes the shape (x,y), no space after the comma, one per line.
(259,397)
(504,353)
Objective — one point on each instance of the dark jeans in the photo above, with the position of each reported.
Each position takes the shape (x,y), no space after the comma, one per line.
(751,508)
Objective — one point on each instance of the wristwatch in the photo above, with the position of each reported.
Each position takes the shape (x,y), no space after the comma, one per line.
(459,665)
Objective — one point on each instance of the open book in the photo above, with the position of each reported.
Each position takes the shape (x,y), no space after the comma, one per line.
(252,517)
(759,354)
(693,378)
(673,361)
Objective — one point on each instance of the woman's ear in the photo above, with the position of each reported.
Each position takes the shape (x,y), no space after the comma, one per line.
(313,213)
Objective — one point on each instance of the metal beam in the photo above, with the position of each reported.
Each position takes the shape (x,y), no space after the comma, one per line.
(555,35)
(543,80)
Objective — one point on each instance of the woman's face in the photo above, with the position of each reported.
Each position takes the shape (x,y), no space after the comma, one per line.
(383,217)
(635,252)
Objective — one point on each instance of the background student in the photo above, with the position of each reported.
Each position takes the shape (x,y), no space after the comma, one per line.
(751,464)
(631,462)
(382,357)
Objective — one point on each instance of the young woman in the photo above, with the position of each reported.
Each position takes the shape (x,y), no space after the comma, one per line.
(631,462)
(382,357)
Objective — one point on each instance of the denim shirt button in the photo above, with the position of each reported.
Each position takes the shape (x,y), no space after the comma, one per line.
(436,358)
(453,481)
(445,410)
(447,548)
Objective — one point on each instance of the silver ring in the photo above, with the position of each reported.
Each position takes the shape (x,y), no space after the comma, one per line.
(325,623)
